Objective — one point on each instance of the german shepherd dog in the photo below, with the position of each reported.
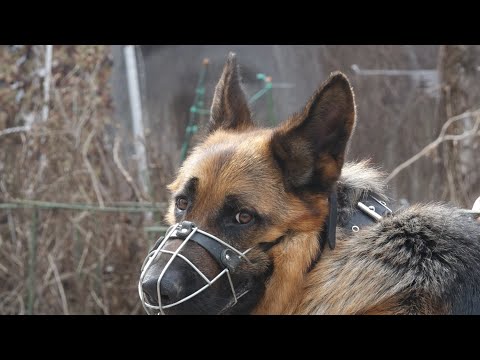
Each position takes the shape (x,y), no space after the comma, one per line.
(250,210)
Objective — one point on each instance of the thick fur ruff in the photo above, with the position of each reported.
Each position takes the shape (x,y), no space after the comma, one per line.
(423,260)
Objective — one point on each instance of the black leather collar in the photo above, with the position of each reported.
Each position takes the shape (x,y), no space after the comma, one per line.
(331,224)
(367,212)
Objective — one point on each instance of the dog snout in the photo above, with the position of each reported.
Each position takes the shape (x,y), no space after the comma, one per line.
(173,288)
(183,278)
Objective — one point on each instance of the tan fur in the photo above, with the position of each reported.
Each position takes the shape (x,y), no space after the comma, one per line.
(329,167)
(220,177)
(345,283)
(389,307)
(338,287)
(285,287)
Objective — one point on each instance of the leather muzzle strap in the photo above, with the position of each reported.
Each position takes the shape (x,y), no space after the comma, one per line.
(225,257)
(331,224)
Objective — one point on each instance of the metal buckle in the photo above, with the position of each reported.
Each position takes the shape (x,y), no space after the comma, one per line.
(384,204)
(369,211)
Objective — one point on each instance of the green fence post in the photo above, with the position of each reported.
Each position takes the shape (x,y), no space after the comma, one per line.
(271,115)
(199,97)
(32,261)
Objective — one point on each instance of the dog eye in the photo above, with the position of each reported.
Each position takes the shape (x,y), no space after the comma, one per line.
(181,203)
(243,217)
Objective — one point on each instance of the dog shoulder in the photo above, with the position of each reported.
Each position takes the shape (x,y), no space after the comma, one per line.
(438,247)
(425,259)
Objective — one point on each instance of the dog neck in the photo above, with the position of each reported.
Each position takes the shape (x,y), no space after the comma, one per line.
(301,252)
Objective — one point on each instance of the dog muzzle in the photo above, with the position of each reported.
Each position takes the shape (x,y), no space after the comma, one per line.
(224,254)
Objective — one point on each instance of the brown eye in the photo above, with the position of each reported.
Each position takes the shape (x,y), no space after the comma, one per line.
(181,204)
(243,217)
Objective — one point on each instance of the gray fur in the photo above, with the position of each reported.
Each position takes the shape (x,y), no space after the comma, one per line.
(428,256)
(361,177)
(433,251)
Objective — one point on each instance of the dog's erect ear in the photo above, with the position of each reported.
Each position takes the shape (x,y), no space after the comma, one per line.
(310,147)
(229,107)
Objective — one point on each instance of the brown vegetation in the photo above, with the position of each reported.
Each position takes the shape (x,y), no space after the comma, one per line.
(86,262)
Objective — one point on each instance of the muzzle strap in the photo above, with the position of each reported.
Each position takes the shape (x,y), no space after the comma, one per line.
(225,257)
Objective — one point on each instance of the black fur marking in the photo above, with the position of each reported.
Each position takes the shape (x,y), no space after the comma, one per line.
(229,106)
(315,185)
(247,303)
(320,132)
(265,246)
(189,192)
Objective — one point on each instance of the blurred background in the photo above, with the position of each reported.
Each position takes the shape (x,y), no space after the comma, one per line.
(91,135)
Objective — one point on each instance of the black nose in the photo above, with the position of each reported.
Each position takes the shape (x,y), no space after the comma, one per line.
(172,288)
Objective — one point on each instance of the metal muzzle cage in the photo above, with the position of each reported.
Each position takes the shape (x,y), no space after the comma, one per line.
(227,256)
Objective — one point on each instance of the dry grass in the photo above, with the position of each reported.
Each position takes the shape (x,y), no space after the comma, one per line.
(86,263)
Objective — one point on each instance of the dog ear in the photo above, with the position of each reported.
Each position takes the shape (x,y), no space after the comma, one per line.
(310,147)
(230,106)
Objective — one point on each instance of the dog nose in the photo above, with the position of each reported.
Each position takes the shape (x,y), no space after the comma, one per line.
(172,288)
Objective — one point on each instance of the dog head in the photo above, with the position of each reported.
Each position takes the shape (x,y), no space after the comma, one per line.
(257,189)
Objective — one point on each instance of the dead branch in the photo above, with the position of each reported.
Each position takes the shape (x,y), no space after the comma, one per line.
(61,290)
(124,172)
(90,169)
(14,130)
(99,302)
(441,138)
